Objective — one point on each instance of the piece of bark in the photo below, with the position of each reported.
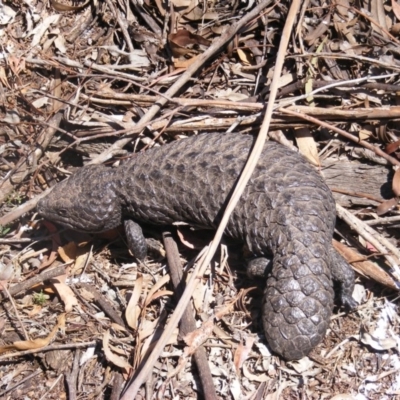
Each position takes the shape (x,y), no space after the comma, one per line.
(354,177)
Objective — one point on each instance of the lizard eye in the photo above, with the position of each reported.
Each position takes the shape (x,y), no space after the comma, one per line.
(62,212)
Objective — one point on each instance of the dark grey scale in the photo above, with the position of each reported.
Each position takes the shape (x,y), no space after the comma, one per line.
(286,211)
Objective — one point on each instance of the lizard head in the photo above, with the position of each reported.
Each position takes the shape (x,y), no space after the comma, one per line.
(86,201)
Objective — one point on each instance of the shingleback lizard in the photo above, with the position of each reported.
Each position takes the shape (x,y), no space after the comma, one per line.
(286,211)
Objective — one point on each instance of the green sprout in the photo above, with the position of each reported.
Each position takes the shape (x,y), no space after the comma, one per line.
(40,298)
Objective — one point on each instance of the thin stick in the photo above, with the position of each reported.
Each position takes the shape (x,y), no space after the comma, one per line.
(343,133)
(22,381)
(15,310)
(373,237)
(44,276)
(285,102)
(146,369)
(72,377)
(49,348)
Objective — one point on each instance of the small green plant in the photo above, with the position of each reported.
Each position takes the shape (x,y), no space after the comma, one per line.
(40,298)
(4,230)
(14,198)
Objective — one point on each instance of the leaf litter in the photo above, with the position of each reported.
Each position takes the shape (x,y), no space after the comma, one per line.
(77,79)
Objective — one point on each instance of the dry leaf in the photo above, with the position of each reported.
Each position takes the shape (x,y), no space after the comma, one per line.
(159,284)
(147,328)
(117,350)
(199,336)
(160,293)
(184,38)
(199,295)
(3,77)
(230,94)
(285,80)
(7,14)
(307,145)
(386,206)
(6,272)
(133,310)
(113,358)
(396,183)
(118,328)
(364,266)
(2,323)
(65,7)
(197,13)
(82,257)
(41,29)
(242,352)
(157,332)
(392,147)
(36,309)
(68,252)
(378,15)
(66,294)
(86,294)
(364,134)
(378,343)
(243,57)
(17,64)
(182,42)
(36,343)
(308,88)
(254,378)
(185,4)
(396,9)
(318,31)
(302,365)
(395,29)
(193,239)
(185,63)
(342,7)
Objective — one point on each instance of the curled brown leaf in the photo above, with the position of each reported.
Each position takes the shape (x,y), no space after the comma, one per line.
(396,183)
(182,42)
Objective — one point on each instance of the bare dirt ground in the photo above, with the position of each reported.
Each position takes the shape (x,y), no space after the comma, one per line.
(92,81)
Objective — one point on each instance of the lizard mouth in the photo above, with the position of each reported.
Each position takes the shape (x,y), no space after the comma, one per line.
(41,208)
(67,221)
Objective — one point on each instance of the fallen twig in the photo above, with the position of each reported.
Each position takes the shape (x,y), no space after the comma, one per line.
(21,382)
(365,267)
(373,237)
(72,378)
(49,348)
(188,323)
(108,308)
(245,176)
(343,133)
(44,276)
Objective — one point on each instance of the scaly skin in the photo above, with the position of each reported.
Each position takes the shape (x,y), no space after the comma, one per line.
(286,210)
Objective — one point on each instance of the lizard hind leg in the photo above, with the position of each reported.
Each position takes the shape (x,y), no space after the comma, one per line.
(136,240)
(259,267)
(343,276)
